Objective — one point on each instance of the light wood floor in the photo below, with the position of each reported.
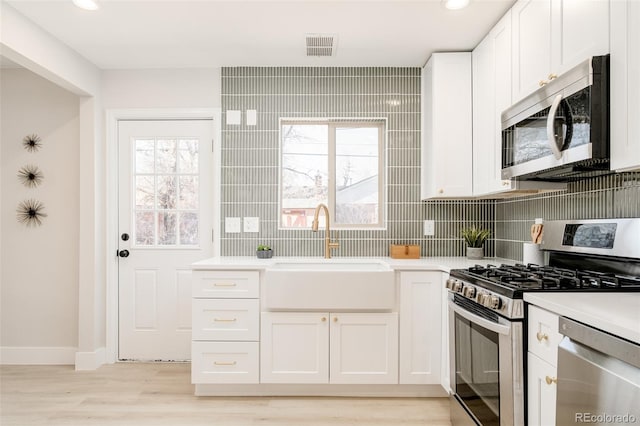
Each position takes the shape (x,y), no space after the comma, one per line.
(160,394)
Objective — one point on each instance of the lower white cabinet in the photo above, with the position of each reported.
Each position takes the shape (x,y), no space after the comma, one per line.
(420,327)
(541,389)
(224,362)
(542,344)
(322,347)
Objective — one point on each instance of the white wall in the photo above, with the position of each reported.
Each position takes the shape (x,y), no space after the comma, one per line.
(179,88)
(39,266)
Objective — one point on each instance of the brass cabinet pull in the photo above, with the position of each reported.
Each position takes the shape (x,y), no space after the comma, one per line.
(224,284)
(323,319)
(225,319)
(224,363)
(553,76)
(550,380)
(541,336)
(542,83)
(335,319)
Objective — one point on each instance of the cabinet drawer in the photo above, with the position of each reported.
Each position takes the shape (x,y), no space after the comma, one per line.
(225,319)
(224,362)
(226,284)
(542,390)
(543,334)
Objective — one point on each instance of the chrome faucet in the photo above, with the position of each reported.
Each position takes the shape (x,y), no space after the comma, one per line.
(328,244)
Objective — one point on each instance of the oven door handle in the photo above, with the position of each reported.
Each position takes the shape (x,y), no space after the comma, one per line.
(551,134)
(489,325)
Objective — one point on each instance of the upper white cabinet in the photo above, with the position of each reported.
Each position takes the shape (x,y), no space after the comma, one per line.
(625,85)
(446,126)
(552,36)
(491,61)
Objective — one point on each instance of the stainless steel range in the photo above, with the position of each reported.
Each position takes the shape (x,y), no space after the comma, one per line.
(487,313)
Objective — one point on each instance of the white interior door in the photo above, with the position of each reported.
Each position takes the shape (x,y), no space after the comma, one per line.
(165,210)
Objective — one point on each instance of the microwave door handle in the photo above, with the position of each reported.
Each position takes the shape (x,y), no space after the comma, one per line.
(551,135)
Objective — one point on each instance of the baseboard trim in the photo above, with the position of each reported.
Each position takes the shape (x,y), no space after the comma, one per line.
(90,360)
(385,391)
(32,355)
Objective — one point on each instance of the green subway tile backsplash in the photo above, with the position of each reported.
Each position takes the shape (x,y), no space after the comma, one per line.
(250,173)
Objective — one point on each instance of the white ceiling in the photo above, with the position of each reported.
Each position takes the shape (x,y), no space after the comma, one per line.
(128,34)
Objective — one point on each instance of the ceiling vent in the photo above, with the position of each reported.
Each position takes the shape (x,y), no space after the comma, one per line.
(321,44)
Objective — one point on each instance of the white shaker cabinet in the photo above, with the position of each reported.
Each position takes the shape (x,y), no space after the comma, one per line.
(225,327)
(420,327)
(625,85)
(491,61)
(542,365)
(322,347)
(552,36)
(446,162)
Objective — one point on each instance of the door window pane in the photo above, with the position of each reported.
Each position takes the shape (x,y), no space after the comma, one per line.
(166,192)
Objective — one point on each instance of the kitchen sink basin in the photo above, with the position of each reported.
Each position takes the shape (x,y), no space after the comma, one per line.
(329,285)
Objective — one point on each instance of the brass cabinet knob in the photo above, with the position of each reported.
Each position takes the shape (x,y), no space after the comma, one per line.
(553,76)
(323,319)
(335,319)
(440,191)
(541,336)
(542,83)
(550,380)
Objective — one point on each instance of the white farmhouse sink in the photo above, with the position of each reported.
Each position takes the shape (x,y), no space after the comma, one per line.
(329,285)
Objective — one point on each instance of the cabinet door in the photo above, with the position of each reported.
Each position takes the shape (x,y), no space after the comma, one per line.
(294,347)
(484,112)
(625,85)
(420,327)
(447,126)
(580,29)
(531,25)
(541,392)
(364,348)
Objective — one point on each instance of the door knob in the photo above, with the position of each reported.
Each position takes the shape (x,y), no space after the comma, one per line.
(123,253)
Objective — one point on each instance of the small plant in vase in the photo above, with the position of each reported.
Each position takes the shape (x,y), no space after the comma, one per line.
(264,252)
(475,238)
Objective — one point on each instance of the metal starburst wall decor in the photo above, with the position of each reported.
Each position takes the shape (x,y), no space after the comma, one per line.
(31,176)
(32,143)
(30,212)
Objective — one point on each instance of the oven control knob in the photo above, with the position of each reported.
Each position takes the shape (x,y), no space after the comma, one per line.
(469,292)
(450,282)
(482,297)
(457,286)
(493,302)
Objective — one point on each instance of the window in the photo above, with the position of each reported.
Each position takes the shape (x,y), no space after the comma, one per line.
(335,162)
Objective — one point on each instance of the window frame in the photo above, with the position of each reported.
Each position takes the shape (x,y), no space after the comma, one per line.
(373,122)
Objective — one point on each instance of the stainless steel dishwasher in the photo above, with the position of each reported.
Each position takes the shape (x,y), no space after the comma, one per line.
(598,377)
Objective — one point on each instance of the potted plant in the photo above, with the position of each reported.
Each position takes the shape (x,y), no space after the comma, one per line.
(475,238)
(264,252)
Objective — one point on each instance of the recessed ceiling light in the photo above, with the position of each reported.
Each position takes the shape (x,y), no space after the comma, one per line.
(455,4)
(86,4)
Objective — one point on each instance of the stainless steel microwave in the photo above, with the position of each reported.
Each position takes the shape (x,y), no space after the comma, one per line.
(561,131)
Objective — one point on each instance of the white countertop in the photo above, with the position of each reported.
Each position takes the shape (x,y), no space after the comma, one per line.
(615,313)
(444,264)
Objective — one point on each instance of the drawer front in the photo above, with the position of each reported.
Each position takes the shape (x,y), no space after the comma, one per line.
(543,334)
(226,284)
(225,319)
(224,362)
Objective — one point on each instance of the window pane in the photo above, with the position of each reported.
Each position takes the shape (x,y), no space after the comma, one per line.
(305,172)
(145,226)
(357,189)
(166,156)
(144,155)
(189,229)
(166,192)
(188,156)
(145,192)
(167,224)
(188,192)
